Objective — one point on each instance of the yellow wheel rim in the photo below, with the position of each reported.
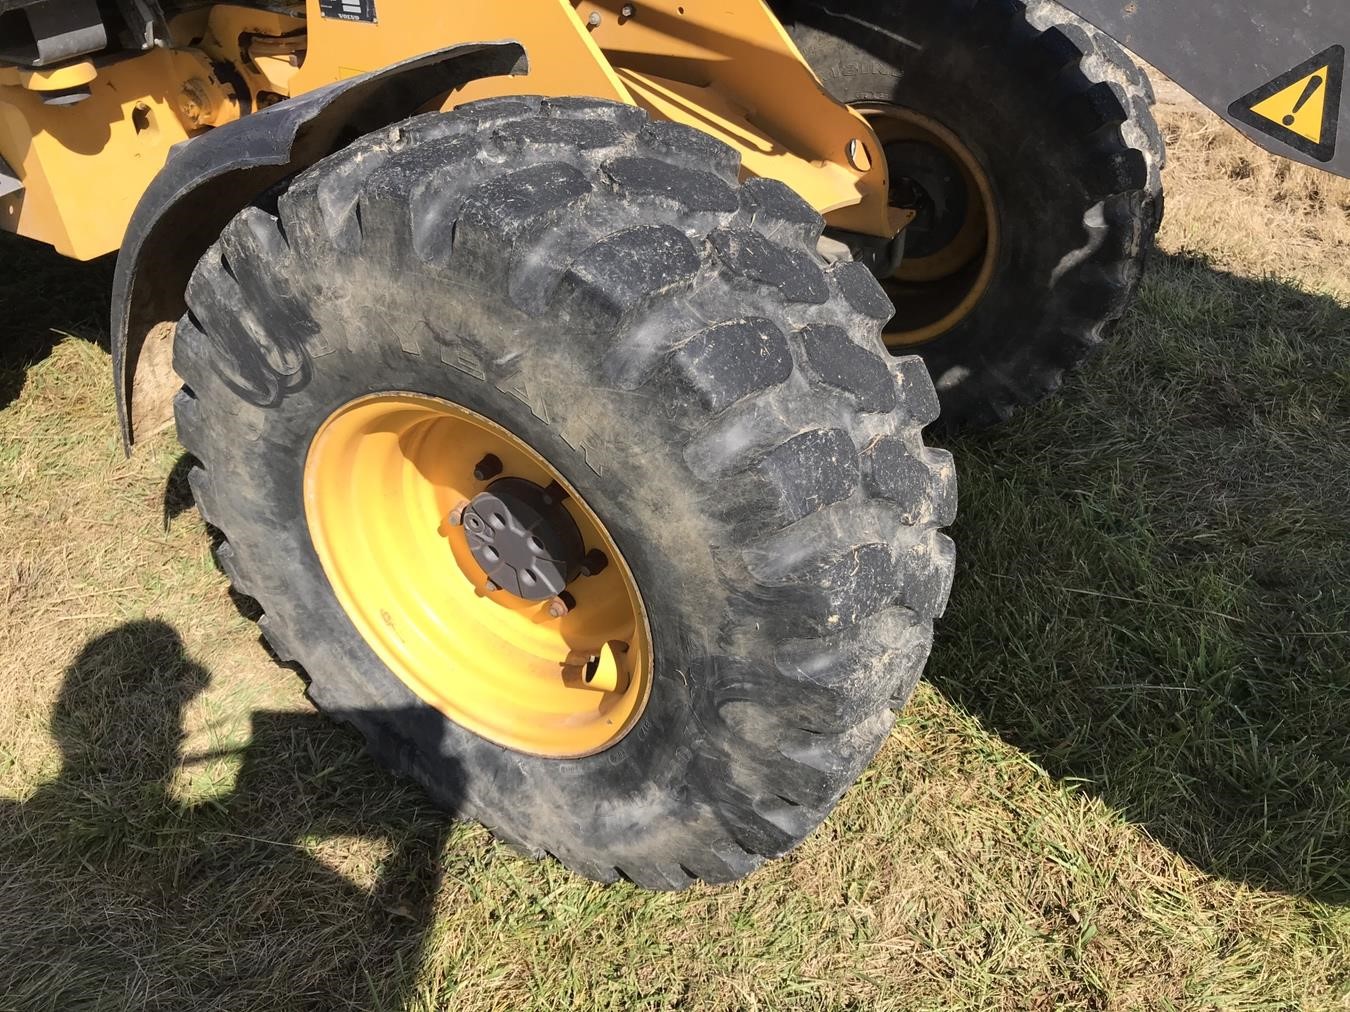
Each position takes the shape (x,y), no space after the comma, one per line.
(934,292)
(384,478)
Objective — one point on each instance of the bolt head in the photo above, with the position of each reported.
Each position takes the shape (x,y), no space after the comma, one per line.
(594,19)
(858,155)
(487,468)
(194,101)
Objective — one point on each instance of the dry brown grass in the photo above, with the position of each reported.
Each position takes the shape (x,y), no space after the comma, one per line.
(1248,211)
(1126,784)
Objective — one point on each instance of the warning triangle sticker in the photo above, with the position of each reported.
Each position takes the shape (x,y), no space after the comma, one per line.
(1301,107)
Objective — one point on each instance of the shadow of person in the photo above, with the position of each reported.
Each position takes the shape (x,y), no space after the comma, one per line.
(44,296)
(1153,587)
(287,873)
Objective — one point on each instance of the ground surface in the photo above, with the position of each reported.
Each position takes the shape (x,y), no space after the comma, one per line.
(1125,785)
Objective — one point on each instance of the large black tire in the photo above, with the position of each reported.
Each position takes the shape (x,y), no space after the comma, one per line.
(1060,119)
(670,341)
(1103,61)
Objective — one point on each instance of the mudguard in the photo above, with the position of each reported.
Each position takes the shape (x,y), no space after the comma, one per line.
(1273,68)
(212,177)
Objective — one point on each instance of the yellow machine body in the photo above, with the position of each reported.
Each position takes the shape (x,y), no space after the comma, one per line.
(728,69)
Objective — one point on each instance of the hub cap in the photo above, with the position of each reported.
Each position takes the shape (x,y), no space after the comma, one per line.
(952,245)
(473,570)
(524,539)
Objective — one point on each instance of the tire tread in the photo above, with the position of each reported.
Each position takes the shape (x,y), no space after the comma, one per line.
(685,245)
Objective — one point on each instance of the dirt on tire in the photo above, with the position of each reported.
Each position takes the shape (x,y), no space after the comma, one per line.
(669,339)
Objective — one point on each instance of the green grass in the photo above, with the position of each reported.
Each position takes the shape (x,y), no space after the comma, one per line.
(1155,587)
(1126,783)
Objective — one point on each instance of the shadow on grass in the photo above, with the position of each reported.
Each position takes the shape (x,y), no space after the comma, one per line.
(297,875)
(1153,601)
(1153,596)
(43,298)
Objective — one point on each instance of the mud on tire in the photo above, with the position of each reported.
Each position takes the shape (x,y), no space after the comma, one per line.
(669,340)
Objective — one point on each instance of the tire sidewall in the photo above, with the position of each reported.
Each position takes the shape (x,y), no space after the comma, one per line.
(617,458)
(576,274)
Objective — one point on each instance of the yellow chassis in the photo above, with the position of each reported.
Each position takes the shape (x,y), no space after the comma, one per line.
(728,69)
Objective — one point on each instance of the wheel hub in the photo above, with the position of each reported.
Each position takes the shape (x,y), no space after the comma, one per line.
(951,247)
(448,541)
(929,182)
(524,538)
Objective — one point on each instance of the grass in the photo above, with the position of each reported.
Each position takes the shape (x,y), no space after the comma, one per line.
(1126,783)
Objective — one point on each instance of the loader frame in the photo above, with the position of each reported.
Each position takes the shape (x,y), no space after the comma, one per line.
(158,148)
(85,138)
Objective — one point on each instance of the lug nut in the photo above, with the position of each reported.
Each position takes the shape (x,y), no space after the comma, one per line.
(456,517)
(487,468)
(594,19)
(594,563)
(628,10)
(490,587)
(561,605)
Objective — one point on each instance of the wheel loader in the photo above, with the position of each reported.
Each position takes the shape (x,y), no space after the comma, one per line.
(555,371)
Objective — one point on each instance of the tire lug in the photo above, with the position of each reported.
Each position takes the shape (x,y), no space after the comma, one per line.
(456,517)
(594,564)
(487,468)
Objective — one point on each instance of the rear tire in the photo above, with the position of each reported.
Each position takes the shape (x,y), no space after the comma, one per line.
(603,288)
(1059,119)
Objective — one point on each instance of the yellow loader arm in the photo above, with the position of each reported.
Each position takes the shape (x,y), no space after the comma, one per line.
(84,133)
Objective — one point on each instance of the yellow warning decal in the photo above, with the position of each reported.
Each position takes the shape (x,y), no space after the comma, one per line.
(1302,107)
